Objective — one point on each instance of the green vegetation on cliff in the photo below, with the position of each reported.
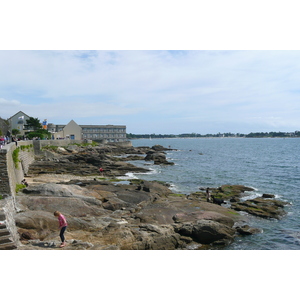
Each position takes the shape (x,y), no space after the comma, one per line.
(15,157)
(19,187)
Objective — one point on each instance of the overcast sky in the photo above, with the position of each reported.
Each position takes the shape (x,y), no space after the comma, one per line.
(155,91)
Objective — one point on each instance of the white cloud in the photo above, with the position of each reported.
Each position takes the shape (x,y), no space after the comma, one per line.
(135,87)
(12,103)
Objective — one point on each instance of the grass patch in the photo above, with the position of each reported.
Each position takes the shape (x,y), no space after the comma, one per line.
(177,195)
(136,181)
(233,213)
(50,147)
(27,147)
(93,144)
(1,197)
(20,187)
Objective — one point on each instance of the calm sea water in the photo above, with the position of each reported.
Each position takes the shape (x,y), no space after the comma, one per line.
(268,165)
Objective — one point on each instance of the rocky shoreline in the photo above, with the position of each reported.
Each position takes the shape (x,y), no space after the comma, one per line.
(104,213)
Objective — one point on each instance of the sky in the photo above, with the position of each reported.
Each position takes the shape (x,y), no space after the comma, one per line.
(155,91)
(162,67)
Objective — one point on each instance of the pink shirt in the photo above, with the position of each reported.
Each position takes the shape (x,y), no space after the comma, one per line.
(62,221)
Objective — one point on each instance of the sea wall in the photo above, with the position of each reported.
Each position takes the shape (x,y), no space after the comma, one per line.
(8,178)
(12,172)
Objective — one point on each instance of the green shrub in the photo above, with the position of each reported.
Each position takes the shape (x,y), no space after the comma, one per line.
(40,133)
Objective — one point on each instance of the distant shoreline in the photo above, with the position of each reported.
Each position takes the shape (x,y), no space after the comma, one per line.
(212,137)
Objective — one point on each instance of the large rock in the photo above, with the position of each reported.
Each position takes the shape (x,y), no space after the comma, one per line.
(261,207)
(114,203)
(207,232)
(203,215)
(157,157)
(247,230)
(154,237)
(159,148)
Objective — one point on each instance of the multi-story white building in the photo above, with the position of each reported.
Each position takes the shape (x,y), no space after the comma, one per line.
(110,133)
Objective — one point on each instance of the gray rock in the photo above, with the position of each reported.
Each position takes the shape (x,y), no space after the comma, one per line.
(207,232)
(247,230)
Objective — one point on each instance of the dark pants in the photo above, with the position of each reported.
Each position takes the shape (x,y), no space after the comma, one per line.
(61,234)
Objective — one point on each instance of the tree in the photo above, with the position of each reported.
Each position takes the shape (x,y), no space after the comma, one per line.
(33,124)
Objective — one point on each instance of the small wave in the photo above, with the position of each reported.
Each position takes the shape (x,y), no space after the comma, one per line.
(251,195)
(129,175)
(150,172)
(153,171)
(136,175)
(255,194)
(174,188)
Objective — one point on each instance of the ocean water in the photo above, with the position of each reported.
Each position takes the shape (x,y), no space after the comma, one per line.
(268,165)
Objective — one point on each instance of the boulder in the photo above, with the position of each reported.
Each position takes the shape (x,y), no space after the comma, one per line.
(38,220)
(207,232)
(268,196)
(61,150)
(158,158)
(114,203)
(155,237)
(247,230)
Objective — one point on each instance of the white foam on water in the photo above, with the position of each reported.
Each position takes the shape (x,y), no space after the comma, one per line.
(174,188)
(153,171)
(128,175)
(255,194)
(251,195)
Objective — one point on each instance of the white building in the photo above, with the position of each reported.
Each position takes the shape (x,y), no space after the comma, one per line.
(109,133)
